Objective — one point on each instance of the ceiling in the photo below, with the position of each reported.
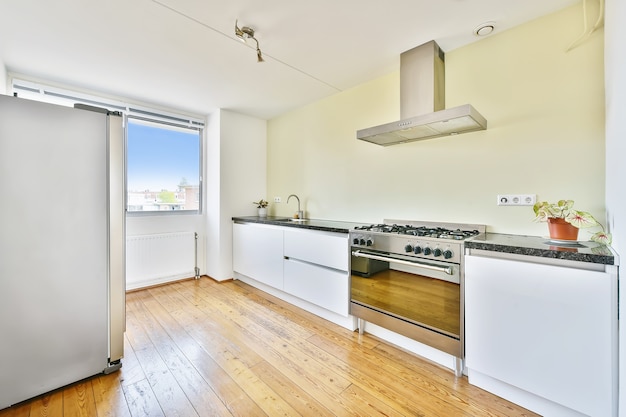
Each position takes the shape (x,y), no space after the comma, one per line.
(183,54)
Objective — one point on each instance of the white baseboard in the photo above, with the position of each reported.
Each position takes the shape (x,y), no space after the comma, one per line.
(520,397)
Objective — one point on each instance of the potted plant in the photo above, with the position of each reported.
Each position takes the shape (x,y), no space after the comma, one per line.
(262,206)
(564,221)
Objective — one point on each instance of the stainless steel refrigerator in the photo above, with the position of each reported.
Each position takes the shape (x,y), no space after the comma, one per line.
(62,217)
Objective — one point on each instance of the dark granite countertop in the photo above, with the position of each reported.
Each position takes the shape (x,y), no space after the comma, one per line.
(312,224)
(495,242)
(543,247)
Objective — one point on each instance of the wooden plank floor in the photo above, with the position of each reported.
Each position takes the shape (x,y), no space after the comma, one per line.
(202,348)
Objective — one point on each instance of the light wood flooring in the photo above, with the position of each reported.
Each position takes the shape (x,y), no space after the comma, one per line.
(204,348)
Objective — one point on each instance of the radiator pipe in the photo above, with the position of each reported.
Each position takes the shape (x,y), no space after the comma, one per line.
(196,269)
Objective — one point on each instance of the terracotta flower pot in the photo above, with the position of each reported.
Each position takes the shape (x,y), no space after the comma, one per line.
(561,230)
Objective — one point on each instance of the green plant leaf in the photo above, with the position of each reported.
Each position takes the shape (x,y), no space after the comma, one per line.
(601,237)
(581,219)
(262,203)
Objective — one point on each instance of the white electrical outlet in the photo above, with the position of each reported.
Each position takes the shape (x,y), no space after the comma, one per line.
(528,199)
(504,200)
(516,199)
(277,199)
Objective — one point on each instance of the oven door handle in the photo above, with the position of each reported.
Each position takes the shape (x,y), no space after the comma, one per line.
(446,269)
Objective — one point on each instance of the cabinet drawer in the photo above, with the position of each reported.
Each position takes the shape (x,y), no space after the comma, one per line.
(327,288)
(322,248)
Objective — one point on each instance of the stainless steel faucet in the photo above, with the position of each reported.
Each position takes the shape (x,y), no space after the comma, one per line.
(300,212)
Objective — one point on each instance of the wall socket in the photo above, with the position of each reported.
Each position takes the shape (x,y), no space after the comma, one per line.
(277,200)
(517,199)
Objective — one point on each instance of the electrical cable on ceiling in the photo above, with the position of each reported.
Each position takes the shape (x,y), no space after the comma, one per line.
(586,33)
(258,52)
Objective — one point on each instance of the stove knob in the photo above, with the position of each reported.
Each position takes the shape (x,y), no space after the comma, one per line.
(447,254)
(362,241)
(355,241)
(417,250)
(369,242)
(408,248)
(437,252)
(427,250)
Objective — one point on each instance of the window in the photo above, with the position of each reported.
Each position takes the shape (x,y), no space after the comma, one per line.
(163,167)
(164,150)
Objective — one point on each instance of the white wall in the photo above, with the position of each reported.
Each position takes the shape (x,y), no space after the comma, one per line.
(236,166)
(615,61)
(148,225)
(3,78)
(545,111)
(234,177)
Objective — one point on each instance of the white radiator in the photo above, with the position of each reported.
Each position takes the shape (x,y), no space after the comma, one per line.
(159,258)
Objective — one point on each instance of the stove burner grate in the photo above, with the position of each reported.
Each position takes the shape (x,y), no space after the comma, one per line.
(436,232)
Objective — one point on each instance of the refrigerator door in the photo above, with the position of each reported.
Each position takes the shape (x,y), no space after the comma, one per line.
(53,247)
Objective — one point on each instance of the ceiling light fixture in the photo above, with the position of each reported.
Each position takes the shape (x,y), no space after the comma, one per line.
(246,33)
(484,29)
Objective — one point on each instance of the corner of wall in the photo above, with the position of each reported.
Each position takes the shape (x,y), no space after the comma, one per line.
(3,79)
(236,156)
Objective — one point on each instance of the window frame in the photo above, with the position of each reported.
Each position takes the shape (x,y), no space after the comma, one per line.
(200,131)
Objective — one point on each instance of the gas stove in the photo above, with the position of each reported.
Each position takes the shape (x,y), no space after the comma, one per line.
(407,276)
(426,240)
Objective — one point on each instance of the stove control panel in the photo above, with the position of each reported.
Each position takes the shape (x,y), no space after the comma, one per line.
(366,241)
(440,249)
(436,250)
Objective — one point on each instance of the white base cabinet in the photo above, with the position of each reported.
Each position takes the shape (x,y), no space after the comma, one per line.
(311,265)
(543,336)
(258,252)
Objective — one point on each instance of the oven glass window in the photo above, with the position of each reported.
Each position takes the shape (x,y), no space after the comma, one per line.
(430,302)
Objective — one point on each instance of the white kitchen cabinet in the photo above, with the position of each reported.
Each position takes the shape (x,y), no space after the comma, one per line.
(258,252)
(316,268)
(537,332)
(306,267)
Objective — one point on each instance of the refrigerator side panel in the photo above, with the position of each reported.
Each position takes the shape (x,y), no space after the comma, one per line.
(53,245)
(117,237)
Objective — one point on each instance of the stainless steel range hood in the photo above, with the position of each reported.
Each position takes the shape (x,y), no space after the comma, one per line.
(422,103)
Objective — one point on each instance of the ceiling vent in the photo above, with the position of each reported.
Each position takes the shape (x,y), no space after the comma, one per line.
(422,103)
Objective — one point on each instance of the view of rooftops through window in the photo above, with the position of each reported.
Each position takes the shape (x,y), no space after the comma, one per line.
(163,167)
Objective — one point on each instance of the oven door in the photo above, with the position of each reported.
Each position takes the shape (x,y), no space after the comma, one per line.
(424,293)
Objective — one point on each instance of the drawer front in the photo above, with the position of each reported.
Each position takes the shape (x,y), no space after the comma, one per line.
(327,288)
(322,248)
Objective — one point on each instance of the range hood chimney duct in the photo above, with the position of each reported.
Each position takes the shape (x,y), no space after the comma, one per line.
(422,103)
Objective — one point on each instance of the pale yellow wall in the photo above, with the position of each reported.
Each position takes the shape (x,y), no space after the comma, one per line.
(545,110)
